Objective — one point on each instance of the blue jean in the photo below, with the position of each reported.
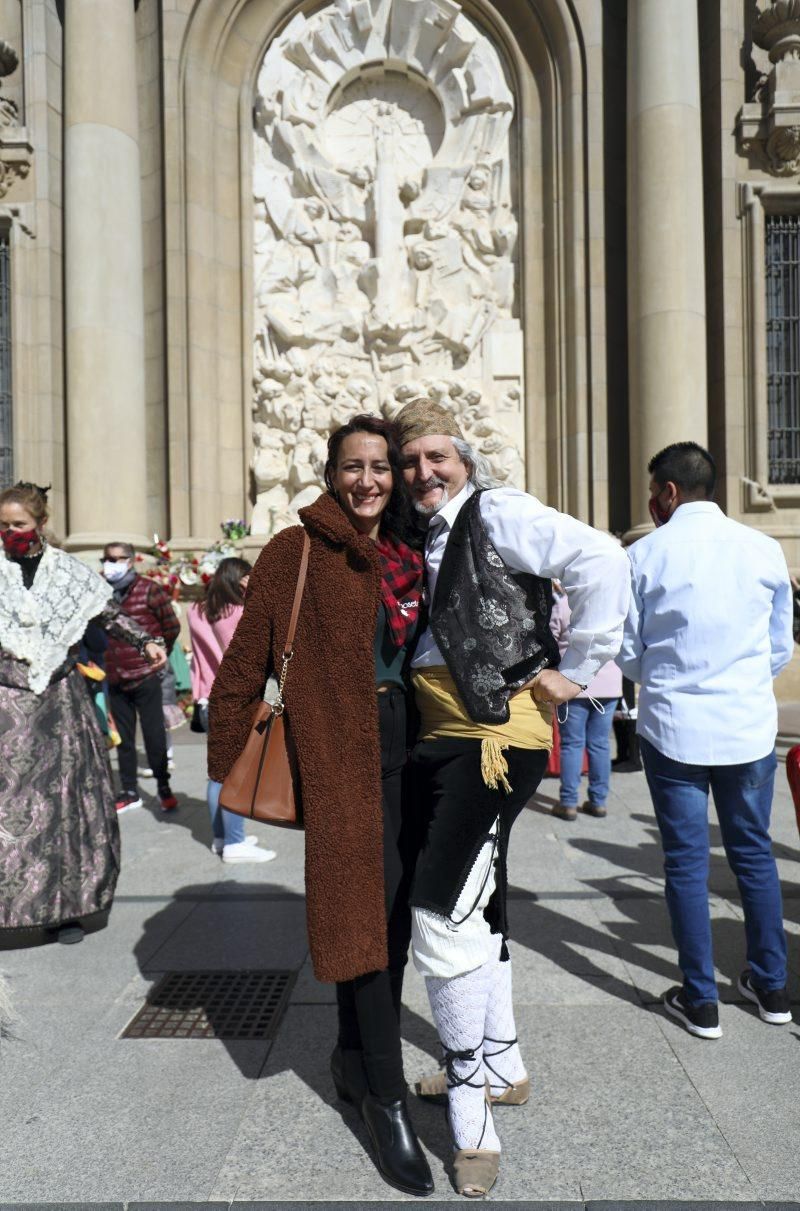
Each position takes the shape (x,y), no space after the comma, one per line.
(586,728)
(227,827)
(743,799)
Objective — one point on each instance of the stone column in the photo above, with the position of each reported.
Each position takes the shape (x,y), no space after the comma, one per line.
(104,303)
(666,253)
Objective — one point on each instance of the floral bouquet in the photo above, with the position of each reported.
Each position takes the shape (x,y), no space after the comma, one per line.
(185,570)
(234,529)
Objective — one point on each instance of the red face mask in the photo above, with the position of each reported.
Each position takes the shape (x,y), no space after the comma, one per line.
(19,542)
(660,516)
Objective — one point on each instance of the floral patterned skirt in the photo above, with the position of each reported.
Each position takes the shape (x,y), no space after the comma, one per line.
(59,834)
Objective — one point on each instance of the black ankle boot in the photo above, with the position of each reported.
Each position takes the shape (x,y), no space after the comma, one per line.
(68,935)
(349,1077)
(400,1158)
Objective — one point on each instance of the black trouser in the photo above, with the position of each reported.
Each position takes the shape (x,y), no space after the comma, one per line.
(143,699)
(369,1006)
(457,811)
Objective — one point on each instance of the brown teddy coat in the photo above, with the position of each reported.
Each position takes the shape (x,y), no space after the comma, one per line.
(332,712)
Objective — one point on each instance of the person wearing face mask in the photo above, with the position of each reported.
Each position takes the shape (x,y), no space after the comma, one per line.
(59,837)
(346,714)
(134,689)
(709,627)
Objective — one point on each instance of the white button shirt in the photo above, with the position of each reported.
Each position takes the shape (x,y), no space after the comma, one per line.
(530,537)
(709,626)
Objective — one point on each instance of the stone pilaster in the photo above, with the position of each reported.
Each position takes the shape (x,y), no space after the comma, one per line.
(666,256)
(104,305)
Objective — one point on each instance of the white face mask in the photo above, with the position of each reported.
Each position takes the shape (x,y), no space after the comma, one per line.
(115,571)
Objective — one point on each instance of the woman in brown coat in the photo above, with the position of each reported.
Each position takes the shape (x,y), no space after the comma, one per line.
(346,710)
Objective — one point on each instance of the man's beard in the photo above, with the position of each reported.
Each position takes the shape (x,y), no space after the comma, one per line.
(429,510)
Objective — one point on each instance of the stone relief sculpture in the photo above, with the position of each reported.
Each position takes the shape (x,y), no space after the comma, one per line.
(384,237)
(768,125)
(16,153)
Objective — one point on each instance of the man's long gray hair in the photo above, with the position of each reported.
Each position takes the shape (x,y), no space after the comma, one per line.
(478,465)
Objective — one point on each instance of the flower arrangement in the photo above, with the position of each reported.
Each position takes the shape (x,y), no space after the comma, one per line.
(234,529)
(185,570)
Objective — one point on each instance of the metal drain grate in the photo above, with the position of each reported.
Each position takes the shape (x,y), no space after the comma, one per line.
(213,1005)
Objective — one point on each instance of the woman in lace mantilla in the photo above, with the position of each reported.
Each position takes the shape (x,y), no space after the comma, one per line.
(59,837)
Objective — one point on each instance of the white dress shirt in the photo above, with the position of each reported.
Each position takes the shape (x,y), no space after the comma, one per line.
(530,537)
(709,626)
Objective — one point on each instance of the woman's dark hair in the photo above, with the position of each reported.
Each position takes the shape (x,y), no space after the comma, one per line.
(398,517)
(224,589)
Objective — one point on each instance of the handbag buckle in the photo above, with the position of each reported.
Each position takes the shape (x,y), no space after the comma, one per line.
(277,706)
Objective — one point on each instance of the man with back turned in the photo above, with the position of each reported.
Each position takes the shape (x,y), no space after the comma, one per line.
(709,627)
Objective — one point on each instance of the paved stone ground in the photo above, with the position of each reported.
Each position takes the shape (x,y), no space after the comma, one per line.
(626,1105)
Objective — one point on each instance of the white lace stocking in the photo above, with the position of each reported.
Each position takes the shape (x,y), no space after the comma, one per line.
(459,1011)
(502,1064)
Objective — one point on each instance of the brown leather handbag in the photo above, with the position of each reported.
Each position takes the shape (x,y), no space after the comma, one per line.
(261,785)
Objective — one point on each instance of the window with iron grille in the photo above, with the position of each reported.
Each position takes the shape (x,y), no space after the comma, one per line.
(783,347)
(6,402)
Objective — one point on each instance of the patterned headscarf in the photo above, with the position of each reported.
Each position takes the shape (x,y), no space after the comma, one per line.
(424,418)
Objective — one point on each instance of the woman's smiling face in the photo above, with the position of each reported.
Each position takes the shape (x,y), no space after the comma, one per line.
(363,479)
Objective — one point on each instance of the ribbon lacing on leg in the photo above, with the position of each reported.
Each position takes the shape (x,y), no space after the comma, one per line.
(451,1058)
(502,1045)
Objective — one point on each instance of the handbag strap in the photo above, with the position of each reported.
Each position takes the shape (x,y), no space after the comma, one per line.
(288,650)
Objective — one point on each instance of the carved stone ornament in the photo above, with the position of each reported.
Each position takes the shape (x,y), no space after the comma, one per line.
(783,150)
(777,30)
(768,127)
(9,59)
(384,238)
(15,162)
(9,62)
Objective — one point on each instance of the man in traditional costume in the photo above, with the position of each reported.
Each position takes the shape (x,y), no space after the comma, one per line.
(486,681)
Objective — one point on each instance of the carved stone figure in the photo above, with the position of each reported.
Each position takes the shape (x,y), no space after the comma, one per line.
(384,236)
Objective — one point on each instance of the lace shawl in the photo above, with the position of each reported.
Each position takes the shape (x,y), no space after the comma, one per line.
(39,625)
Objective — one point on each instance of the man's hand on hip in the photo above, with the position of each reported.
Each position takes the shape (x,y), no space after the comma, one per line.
(552,686)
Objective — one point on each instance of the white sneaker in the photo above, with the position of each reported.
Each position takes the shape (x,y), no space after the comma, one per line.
(218,844)
(242,852)
(146,772)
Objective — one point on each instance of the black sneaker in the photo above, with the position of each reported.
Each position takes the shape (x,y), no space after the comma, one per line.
(701,1020)
(773,1005)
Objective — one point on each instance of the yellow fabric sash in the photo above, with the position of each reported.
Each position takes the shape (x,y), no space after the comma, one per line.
(442,714)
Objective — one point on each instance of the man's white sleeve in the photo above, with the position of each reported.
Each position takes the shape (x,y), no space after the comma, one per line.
(632,650)
(781,640)
(592,567)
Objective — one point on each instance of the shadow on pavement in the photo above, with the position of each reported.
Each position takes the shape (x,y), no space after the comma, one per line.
(563,940)
(242,926)
(191,814)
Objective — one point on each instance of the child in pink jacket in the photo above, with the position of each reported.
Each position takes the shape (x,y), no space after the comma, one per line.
(212,623)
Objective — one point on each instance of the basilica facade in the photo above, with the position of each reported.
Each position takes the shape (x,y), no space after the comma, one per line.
(226,225)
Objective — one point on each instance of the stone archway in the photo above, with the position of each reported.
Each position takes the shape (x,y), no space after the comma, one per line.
(529,87)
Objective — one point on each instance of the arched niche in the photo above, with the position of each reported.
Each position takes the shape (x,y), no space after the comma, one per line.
(211,253)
